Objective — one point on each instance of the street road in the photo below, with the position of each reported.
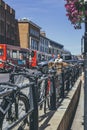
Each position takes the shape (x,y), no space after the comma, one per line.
(4,77)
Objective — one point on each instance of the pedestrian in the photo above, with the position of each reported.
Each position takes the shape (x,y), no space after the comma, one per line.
(58,59)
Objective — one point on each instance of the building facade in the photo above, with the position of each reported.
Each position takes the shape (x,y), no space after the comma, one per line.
(8,32)
(29,34)
(43,43)
(24,33)
(2,22)
(55,47)
(49,46)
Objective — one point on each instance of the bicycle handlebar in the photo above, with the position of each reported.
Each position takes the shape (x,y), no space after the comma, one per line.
(7,88)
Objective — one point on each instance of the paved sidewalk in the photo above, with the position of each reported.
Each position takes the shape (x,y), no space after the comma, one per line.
(78,120)
(59,119)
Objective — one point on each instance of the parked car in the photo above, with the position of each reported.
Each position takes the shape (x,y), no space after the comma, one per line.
(43,66)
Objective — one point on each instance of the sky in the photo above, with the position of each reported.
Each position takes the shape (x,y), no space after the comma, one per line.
(50,15)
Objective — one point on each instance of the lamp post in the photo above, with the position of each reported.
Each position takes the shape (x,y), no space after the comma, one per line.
(77,13)
(82,45)
(85,70)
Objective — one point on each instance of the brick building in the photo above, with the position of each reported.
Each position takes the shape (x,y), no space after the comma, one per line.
(8,25)
(29,34)
(24,33)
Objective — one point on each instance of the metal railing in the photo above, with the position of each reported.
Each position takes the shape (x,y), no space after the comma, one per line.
(45,90)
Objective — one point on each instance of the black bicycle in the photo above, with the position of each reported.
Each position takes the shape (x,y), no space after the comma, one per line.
(13,106)
(16,104)
(18,78)
(42,81)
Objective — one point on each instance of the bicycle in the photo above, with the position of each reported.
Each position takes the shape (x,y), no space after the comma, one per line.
(24,72)
(42,81)
(14,105)
(46,85)
(16,79)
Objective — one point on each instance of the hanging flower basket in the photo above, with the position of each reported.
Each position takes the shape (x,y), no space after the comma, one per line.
(76,12)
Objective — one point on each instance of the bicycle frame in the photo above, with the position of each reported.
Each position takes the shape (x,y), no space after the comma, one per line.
(9,98)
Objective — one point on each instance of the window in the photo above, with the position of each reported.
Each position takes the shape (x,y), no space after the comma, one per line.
(67,57)
(39,57)
(34,44)
(34,32)
(1,52)
(14,54)
(8,53)
(23,55)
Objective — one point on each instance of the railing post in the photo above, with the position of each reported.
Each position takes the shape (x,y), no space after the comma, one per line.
(68,80)
(85,71)
(62,90)
(53,95)
(34,114)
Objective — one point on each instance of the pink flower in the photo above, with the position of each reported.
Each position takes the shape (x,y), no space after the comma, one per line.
(75,11)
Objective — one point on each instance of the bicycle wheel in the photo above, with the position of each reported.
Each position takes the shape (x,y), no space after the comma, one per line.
(22,109)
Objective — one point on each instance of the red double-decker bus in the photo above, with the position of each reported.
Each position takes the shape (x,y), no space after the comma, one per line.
(37,56)
(21,56)
(15,55)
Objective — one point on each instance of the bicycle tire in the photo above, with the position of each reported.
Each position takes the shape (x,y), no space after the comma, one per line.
(25,101)
(24,98)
